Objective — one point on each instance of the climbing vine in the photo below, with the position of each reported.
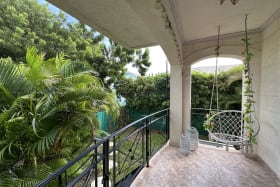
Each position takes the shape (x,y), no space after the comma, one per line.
(209,123)
(248,92)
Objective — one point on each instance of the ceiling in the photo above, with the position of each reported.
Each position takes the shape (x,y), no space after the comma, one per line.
(200,18)
(117,19)
(132,23)
(142,23)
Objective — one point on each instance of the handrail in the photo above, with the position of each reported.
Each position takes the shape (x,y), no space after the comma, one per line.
(103,142)
(135,122)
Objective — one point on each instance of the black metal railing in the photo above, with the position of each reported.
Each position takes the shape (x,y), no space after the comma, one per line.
(117,159)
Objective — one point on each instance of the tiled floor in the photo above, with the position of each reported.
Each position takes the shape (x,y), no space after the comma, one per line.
(208,166)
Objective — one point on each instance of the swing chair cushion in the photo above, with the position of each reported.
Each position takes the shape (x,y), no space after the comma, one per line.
(228,127)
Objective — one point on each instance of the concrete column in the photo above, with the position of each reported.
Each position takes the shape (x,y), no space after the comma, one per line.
(175,105)
(187,82)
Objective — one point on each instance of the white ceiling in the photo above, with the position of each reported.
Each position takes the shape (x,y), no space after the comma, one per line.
(141,23)
(132,23)
(200,18)
(117,19)
(136,23)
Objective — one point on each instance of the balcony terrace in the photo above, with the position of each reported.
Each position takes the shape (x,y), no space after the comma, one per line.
(186,30)
(207,166)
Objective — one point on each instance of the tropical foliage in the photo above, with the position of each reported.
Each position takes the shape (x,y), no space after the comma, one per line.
(25,23)
(47,112)
(47,107)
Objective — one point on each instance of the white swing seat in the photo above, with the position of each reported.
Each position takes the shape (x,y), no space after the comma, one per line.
(228,127)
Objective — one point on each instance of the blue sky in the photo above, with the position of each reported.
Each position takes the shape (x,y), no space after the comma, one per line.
(51,7)
(56,10)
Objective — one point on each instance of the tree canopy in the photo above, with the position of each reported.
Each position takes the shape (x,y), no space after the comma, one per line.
(25,23)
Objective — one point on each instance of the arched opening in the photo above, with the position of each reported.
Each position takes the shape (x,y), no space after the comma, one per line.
(229,84)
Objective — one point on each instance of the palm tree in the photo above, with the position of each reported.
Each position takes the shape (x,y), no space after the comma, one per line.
(46,104)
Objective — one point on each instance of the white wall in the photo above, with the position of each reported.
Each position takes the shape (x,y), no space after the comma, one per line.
(269,137)
(175,105)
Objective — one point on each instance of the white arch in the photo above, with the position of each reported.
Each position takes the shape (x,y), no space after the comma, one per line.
(232,51)
(225,51)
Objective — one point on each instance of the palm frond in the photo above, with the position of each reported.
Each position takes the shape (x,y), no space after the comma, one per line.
(38,172)
(60,61)
(7,147)
(6,97)
(25,182)
(86,78)
(11,79)
(6,179)
(14,109)
(36,74)
(44,143)
(24,177)
(67,70)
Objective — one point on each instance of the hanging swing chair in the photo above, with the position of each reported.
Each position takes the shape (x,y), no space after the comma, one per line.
(233,127)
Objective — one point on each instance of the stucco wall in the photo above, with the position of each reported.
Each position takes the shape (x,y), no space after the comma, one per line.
(175,104)
(269,137)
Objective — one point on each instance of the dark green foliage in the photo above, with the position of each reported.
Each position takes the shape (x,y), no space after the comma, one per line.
(229,85)
(143,96)
(147,94)
(201,89)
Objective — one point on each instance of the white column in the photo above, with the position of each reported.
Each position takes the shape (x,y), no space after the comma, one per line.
(187,82)
(175,105)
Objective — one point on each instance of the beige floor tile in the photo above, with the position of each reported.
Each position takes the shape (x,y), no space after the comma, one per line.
(208,166)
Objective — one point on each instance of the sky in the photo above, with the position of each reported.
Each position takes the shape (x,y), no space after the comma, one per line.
(221,61)
(158,62)
(157,56)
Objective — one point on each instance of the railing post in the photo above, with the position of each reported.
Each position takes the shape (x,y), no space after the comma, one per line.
(167,124)
(95,167)
(60,181)
(106,164)
(143,144)
(147,141)
(114,162)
